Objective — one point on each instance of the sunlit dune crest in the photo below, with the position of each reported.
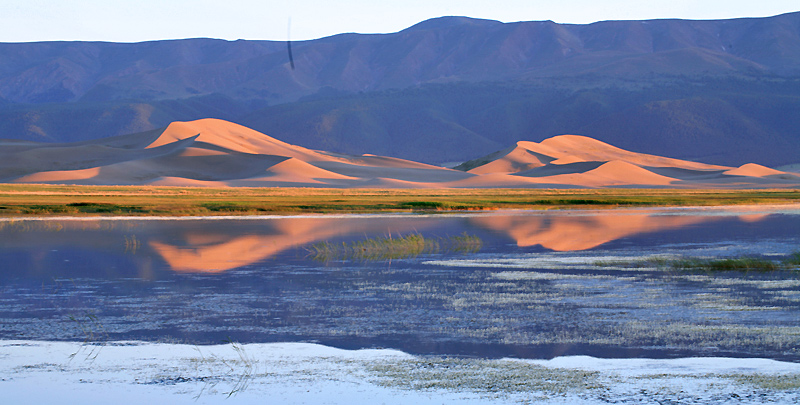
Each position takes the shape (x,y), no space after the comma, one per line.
(589,149)
(520,158)
(566,149)
(59,175)
(232,137)
(217,153)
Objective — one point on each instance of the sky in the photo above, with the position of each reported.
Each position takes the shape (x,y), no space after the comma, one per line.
(144,20)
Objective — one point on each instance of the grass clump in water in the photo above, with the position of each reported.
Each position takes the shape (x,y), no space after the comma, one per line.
(746,263)
(390,247)
(793,259)
(732,264)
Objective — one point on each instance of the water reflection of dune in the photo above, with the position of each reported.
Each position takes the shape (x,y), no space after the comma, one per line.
(218,257)
(567,233)
(216,251)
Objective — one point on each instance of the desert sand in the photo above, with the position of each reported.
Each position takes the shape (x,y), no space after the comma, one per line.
(214,153)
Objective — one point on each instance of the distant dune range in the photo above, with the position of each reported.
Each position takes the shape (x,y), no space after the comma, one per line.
(212,152)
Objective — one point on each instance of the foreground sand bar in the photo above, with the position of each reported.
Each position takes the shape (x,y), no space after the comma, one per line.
(45,200)
(300,373)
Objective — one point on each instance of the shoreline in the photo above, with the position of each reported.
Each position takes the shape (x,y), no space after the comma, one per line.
(749,209)
(310,373)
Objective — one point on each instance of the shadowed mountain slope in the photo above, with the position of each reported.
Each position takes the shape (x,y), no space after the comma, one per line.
(447,48)
(721,91)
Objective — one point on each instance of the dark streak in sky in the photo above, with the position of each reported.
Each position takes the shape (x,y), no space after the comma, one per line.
(291,59)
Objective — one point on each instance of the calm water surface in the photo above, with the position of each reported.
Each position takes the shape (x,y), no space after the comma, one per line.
(542,285)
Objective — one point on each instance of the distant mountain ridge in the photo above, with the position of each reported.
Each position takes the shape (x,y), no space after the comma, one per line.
(656,86)
(441,49)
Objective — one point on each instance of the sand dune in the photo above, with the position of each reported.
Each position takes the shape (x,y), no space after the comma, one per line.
(589,149)
(753,170)
(519,158)
(620,173)
(680,173)
(792,168)
(232,137)
(168,181)
(597,174)
(296,171)
(217,153)
(569,149)
(559,169)
(410,173)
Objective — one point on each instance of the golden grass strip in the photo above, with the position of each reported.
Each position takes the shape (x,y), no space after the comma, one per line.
(49,200)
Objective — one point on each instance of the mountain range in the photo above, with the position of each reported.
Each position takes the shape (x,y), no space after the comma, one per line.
(217,153)
(445,90)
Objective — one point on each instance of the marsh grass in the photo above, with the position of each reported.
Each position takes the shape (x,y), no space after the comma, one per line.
(482,376)
(246,368)
(778,382)
(390,247)
(132,244)
(793,259)
(78,208)
(240,372)
(38,200)
(731,264)
(746,263)
(229,207)
(94,333)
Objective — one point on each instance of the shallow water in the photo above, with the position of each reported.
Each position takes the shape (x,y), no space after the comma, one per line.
(544,284)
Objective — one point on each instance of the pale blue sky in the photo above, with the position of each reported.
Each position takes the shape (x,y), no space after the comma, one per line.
(140,20)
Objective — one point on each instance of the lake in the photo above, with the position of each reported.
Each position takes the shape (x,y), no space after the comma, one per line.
(540,284)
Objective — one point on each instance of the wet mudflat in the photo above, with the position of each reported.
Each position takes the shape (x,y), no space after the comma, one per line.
(541,285)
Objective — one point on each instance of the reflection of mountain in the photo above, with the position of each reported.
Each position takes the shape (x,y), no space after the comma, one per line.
(213,252)
(580,232)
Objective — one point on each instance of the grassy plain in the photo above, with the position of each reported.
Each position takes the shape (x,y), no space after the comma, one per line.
(46,200)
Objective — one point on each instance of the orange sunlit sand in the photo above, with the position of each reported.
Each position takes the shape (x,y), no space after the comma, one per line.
(216,153)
